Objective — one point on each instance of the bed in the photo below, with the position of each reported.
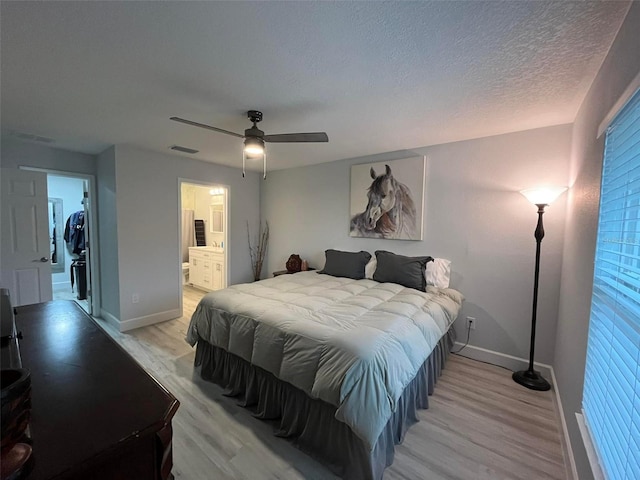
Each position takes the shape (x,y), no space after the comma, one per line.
(342,364)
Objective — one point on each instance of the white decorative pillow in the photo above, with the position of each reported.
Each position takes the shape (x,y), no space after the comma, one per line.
(437,272)
(370,268)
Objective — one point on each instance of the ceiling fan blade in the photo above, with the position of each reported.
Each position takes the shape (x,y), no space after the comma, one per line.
(297,137)
(202,125)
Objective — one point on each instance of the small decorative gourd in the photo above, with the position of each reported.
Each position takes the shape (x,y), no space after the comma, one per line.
(294,264)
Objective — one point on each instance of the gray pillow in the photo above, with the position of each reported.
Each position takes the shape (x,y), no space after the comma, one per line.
(405,271)
(345,264)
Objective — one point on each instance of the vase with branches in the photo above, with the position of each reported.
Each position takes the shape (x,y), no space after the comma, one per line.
(258,249)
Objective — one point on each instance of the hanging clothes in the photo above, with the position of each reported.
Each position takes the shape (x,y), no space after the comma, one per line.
(74,232)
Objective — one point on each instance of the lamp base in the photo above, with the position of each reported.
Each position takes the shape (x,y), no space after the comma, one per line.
(531,379)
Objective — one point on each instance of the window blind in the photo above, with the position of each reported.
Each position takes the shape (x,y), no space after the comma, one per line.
(611,396)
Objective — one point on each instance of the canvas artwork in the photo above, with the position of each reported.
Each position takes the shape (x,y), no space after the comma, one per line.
(387,199)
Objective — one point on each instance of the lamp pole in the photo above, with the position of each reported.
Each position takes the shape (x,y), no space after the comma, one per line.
(530,378)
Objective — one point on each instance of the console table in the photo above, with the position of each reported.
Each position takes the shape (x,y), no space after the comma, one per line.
(95,412)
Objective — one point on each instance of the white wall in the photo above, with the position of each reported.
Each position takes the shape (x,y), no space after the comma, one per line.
(70,191)
(108,234)
(621,65)
(474,216)
(138,222)
(15,153)
(148,222)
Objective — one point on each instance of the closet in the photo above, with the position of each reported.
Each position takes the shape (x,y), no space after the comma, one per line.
(68,233)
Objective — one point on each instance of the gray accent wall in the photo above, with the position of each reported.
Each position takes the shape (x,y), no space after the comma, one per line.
(620,67)
(148,253)
(474,216)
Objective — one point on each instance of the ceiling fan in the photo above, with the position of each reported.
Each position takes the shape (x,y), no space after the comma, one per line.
(254,138)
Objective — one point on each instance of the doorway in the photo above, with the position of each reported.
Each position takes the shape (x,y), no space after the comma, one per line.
(54,213)
(203,227)
(68,233)
(78,189)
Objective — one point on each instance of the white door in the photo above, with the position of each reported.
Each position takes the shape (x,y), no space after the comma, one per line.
(25,267)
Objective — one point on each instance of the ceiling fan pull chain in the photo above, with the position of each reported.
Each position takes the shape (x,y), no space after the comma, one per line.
(264,164)
(244,156)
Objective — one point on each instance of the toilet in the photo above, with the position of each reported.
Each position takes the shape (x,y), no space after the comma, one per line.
(185,273)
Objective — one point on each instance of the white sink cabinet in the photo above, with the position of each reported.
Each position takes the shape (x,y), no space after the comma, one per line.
(206,268)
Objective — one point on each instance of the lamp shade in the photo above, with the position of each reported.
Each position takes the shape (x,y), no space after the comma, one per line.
(542,195)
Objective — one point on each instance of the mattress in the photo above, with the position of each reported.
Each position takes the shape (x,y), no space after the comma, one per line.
(355,344)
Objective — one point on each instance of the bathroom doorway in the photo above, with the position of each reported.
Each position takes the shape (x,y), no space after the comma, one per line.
(204,246)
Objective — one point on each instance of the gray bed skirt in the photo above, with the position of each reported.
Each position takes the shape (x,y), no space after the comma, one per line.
(310,423)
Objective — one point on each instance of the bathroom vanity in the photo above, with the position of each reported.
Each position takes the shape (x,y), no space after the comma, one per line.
(206,268)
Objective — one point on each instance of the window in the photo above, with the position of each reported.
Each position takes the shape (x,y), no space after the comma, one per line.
(611,397)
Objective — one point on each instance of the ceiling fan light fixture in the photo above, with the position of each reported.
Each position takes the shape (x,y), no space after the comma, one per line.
(253,146)
(254,150)
(254,138)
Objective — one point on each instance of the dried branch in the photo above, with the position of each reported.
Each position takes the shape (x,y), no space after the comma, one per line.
(258,252)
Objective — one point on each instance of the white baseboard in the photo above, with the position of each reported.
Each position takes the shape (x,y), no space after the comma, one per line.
(572,473)
(126,325)
(502,359)
(109,318)
(592,454)
(515,364)
(130,324)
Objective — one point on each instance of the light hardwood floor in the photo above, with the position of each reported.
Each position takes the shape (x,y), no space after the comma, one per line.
(479,425)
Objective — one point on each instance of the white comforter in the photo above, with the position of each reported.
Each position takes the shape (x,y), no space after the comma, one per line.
(355,344)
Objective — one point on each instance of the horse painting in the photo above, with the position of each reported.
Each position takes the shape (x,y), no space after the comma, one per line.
(390,212)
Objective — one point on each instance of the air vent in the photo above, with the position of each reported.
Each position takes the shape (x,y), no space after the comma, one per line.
(184,149)
(30,137)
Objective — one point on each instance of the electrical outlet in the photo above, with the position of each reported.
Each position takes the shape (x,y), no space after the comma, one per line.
(135,298)
(471,323)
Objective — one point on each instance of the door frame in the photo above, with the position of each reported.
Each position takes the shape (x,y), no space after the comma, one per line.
(227,245)
(94,265)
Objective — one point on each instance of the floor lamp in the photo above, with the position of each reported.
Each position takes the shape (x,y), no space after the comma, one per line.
(540,197)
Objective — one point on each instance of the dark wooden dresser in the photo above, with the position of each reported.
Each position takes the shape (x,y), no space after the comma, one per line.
(96,414)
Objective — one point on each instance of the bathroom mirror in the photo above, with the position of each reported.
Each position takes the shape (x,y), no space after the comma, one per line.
(216,220)
(56,234)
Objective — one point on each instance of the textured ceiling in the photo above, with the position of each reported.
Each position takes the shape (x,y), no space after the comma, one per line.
(376,76)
